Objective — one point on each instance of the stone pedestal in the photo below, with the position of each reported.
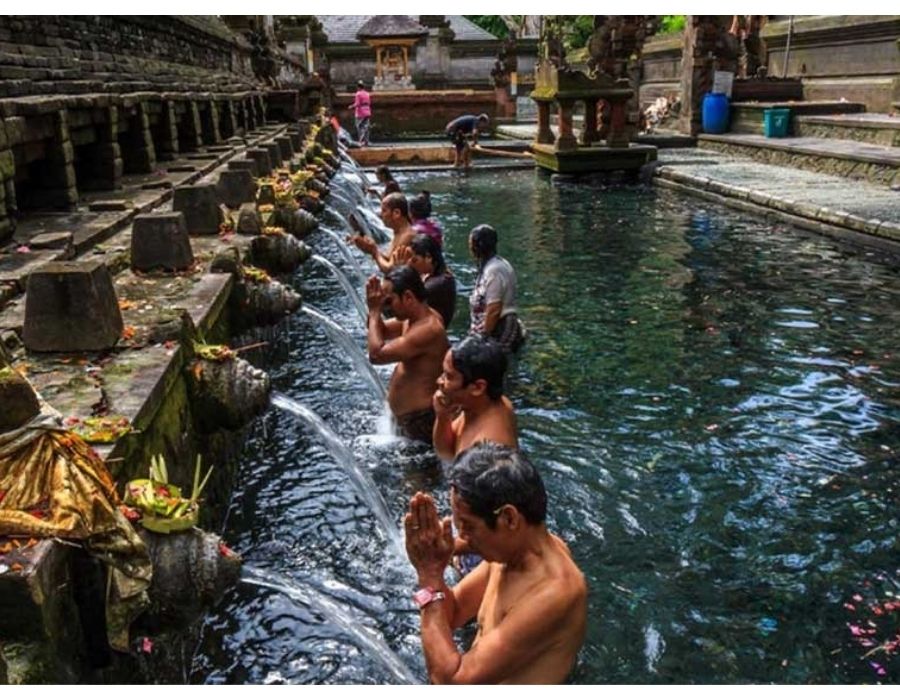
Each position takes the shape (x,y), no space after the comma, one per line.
(247,164)
(287,148)
(263,162)
(71,307)
(296,140)
(200,207)
(235,187)
(274,154)
(160,241)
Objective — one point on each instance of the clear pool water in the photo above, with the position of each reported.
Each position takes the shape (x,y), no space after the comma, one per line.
(713,400)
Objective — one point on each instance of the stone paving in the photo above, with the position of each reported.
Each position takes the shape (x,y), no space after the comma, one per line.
(826,148)
(856,205)
(826,203)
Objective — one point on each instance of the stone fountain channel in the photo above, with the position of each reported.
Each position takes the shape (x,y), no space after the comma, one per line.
(148,374)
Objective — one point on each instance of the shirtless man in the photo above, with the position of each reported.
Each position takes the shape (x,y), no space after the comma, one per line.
(529,596)
(415,339)
(395,215)
(469,403)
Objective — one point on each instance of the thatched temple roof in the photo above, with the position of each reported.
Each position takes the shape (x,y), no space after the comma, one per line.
(384,26)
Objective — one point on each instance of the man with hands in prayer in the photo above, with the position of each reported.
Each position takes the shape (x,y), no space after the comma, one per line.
(528,595)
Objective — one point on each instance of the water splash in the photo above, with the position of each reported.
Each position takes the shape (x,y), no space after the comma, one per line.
(336,613)
(346,460)
(347,286)
(342,338)
(375,223)
(345,252)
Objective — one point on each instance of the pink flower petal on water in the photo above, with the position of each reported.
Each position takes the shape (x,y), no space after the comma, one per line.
(849,606)
(857,597)
(23,249)
(855,630)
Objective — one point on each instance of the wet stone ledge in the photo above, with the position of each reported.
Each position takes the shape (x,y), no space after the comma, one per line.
(145,379)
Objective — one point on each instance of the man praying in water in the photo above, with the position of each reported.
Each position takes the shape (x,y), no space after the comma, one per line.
(528,595)
(395,215)
(469,403)
(415,339)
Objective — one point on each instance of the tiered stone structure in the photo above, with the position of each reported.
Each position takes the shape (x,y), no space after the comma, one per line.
(562,88)
(86,99)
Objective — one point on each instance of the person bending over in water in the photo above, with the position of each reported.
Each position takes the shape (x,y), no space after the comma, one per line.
(458,132)
(528,595)
(395,215)
(415,339)
(469,403)
(424,256)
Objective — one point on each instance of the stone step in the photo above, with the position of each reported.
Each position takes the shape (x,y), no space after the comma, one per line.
(879,129)
(748,117)
(851,159)
(856,210)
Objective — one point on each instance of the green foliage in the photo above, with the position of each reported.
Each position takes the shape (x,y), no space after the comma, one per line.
(490,23)
(672,24)
(577,29)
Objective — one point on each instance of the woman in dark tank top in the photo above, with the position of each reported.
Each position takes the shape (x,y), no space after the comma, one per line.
(425,257)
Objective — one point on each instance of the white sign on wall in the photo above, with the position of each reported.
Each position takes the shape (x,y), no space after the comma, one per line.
(722,82)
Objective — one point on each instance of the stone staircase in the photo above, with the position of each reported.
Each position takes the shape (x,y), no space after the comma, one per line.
(834,138)
(95,54)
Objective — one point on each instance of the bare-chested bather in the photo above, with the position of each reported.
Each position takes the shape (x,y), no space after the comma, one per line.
(469,402)
(415,339)
(528,595)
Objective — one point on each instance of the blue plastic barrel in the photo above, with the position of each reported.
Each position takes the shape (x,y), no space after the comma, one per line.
(715,113)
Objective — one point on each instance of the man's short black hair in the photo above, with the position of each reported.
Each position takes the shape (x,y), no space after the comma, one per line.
(383,172)
(396,200)
(404,278)
(489,476)
(476,357)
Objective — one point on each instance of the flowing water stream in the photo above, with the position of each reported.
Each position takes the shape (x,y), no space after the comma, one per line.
(353,350)
(346,285)
(713,402)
